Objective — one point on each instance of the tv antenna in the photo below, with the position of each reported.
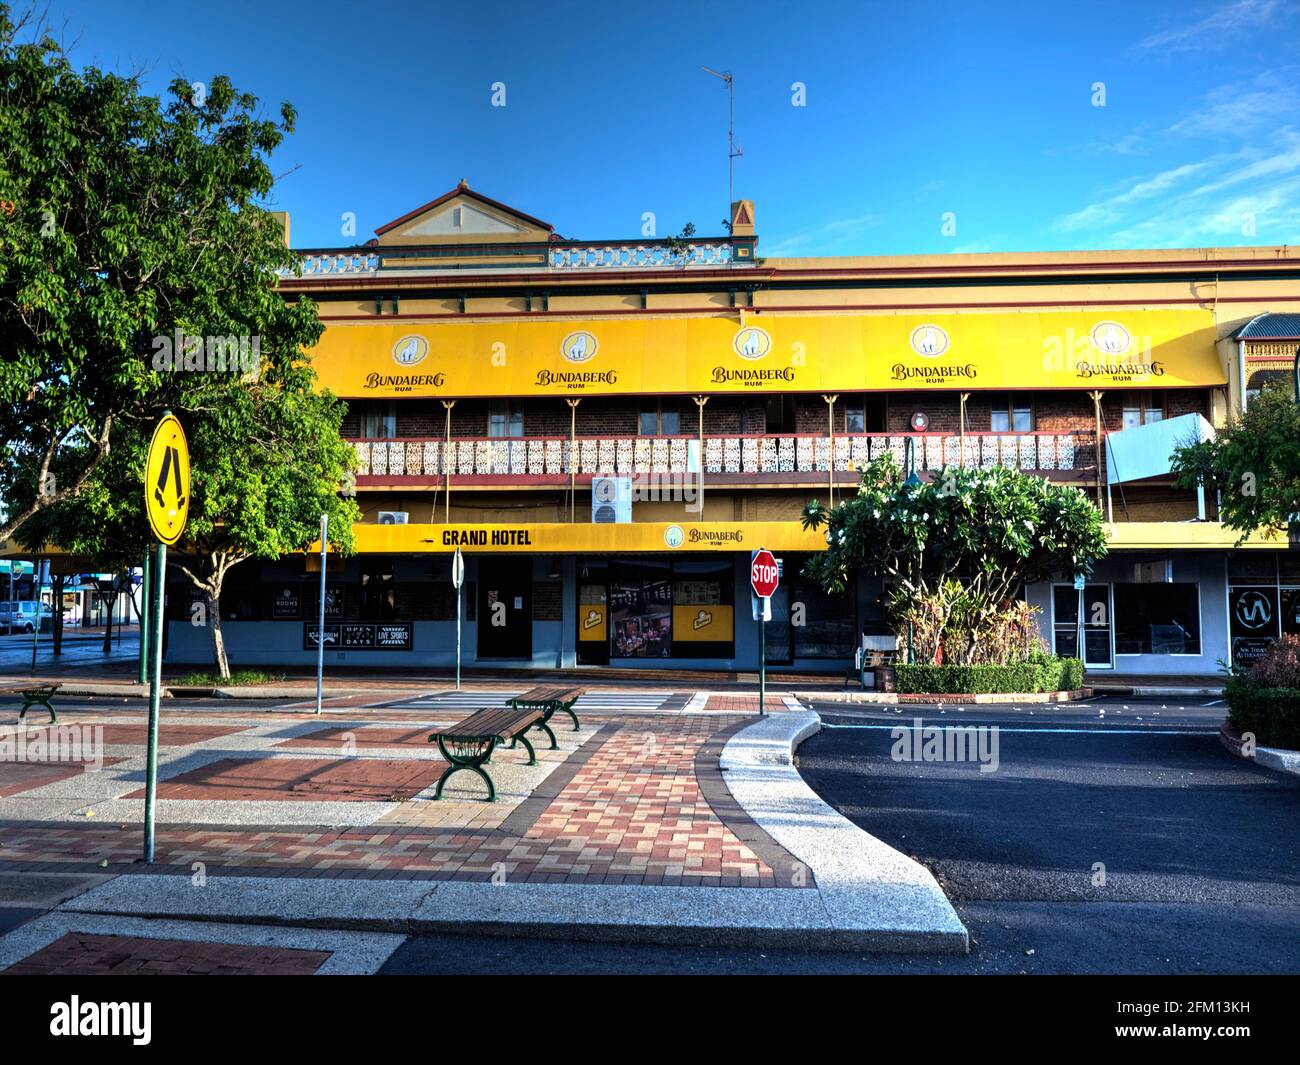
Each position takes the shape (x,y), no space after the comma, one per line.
(732,151)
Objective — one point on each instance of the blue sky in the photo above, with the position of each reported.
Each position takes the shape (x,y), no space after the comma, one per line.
(914,111)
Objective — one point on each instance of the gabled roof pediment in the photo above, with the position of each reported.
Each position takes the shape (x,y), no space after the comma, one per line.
(463,216)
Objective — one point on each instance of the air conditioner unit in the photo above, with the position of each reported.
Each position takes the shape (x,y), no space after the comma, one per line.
(394,517)
(611,500)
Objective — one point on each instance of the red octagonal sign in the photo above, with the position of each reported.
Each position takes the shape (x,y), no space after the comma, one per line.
(763,574)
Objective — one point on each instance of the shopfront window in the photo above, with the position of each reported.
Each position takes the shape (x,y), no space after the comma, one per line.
(669,609)
(640,610)
(1263,601)
(1157,619)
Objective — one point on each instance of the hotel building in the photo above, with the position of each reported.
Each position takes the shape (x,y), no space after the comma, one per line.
(607,429)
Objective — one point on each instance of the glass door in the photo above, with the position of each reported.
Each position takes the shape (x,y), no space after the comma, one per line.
(1096,624)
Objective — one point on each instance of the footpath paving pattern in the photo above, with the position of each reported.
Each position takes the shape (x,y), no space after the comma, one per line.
(84,954)
(633,799)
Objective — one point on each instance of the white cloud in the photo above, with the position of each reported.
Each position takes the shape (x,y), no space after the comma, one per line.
(1214,30)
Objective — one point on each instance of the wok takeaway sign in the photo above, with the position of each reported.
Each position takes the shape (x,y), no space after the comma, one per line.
(786,353)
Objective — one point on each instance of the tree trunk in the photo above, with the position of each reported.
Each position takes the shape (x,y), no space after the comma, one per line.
(56,622)
(218,640)
(108,625)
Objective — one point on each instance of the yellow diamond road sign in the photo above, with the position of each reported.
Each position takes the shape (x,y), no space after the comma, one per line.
(167,481)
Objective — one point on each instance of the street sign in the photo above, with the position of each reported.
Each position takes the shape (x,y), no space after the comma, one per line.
(167,481)
(764,575)
(1079,583)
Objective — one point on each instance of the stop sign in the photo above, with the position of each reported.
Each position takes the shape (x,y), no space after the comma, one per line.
(763,574)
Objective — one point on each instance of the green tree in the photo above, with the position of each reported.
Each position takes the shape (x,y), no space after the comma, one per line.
(138,269)
(1253,464)
(266,462)
(961,544)
(122,220)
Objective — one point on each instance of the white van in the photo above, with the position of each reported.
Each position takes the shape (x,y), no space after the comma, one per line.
(18,617)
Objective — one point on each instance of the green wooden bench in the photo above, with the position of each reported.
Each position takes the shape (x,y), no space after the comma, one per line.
(468,744)
(550,700)
(33,695)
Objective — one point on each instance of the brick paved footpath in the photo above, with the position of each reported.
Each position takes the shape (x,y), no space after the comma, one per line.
(641,802)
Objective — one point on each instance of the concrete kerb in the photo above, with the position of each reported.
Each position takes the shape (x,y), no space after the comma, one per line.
(868,888)
(1276,758)
(867,895)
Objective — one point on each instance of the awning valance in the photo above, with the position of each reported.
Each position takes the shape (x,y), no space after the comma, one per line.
(966,351)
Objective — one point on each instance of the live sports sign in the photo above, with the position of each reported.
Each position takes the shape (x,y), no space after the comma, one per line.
(764,576)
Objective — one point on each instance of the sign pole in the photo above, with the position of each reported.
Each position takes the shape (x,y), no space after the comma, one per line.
(167,506)
(762,656)
(42,569)
(458,579)
(155,692)
(320,626)
(146,591)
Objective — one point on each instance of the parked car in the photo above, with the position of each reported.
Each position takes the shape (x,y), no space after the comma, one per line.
(18,617)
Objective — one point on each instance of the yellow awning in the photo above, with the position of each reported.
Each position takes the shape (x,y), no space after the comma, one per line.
(579,538)
(788,353)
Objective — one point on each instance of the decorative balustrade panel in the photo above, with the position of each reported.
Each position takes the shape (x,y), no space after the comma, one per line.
(632,455)
(628,256)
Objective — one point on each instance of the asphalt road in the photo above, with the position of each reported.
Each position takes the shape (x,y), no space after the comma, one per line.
(1201,850)
(1117,837)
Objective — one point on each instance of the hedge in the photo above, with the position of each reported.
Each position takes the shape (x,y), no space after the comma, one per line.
(1046,674)
(1272,714)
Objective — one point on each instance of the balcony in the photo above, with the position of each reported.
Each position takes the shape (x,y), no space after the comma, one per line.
(737,459)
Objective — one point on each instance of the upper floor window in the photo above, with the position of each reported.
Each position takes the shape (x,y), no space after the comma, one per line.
(1142,408)
(1012,412)
(864,414)
(379,419)
(656,421)
(505,418)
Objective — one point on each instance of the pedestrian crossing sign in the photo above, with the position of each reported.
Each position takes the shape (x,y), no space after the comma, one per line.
(167,481)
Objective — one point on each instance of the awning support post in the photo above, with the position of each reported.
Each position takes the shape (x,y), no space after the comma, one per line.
(830,447)
(700,401)
(446,463)
(1096,410)
(573,458)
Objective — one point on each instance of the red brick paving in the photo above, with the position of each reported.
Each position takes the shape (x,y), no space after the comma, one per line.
(17,777)
(743,704)
(85,954)
(626,808)
(365,737)
(302,780)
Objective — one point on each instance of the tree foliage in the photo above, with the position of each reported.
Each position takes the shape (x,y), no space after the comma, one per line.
(122,220)
(138,247)
(1253,464)
(960,546)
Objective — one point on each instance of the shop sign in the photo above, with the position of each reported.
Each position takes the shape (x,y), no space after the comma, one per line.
(361,636)
(287,602)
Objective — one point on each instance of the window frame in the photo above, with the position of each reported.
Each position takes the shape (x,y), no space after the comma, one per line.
(1009,409)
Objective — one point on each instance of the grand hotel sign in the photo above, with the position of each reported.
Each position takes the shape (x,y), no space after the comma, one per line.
(786,353)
